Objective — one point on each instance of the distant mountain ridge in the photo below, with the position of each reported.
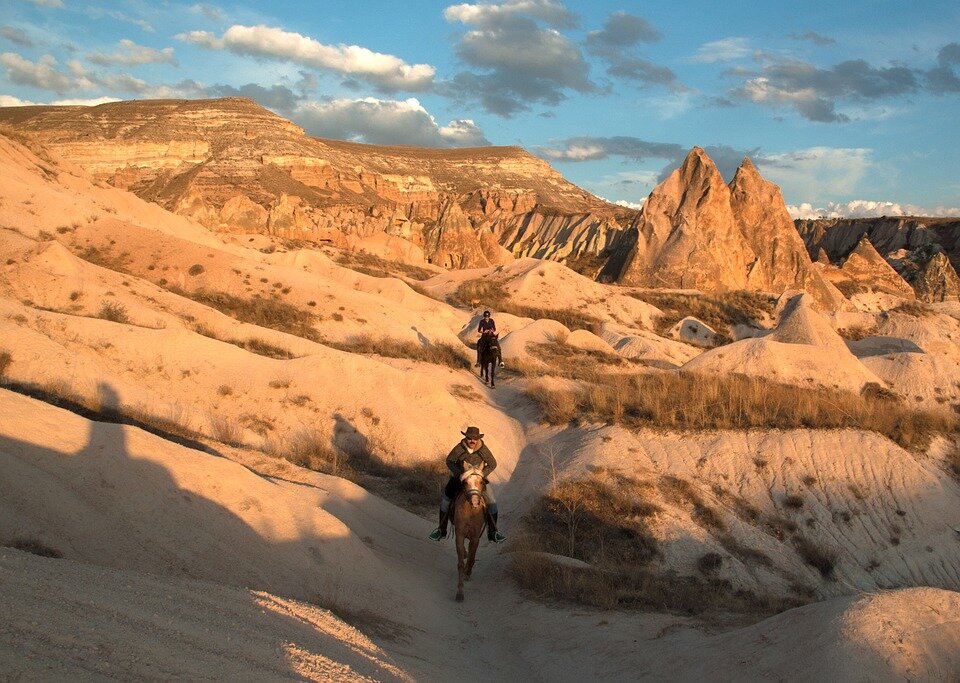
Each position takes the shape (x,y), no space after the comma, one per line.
(237,167)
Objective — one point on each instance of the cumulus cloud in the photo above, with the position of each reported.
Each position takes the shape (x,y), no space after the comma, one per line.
(865,208)
(16,35)
(487,14)
(814,92)
(130,53)
(943,78)
(818,171)
(209,11)
(725,50)
(386,122)
(384,71)
(622,30)
(41,74)
(518,61)
(10,101)
(813,37)
(588,148)
(277,97)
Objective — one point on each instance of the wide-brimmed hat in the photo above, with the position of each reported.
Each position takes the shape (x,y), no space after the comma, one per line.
(472,433)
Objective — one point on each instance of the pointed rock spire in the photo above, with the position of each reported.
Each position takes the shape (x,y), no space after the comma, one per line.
(938,280)
(868,269)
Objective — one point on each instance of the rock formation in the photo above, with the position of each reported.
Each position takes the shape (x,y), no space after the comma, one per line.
(938,281)
(236,167)
(696,232)
(866,270)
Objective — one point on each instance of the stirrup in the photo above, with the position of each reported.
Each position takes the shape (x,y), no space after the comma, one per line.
(438,534)
(496,537)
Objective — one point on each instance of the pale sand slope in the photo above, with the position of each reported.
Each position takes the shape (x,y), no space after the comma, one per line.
(78,620)
(63,620)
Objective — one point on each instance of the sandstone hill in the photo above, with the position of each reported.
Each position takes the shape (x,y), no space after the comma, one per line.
(234,445)
(696,232)
(236,167)
(910,244)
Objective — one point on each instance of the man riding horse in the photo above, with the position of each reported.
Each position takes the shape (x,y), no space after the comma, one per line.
(470,451)
(486,329)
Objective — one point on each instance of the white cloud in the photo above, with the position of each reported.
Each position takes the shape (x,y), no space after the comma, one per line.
(577,152)
(385,71)
(40,74)
(386,122)
(818,171)
(866,208)
(209,11)
(48,3)
(724,50)
(11,101)
(630,205)
(130,53)
(486,14)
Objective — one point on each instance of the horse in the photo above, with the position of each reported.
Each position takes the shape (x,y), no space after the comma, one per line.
(490,358)
(469,517)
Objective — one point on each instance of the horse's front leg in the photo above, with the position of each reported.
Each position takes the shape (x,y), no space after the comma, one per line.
(460,567)
(492,373)
(472,556)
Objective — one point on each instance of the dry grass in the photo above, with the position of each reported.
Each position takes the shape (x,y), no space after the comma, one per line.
(34,546)
(226,430)
(253,344)
(857,332)
(605,521)
(5,360)
(375,266)
(571,362)
(491,294)
(437,354)
(269,313)
(720,311)
(916,309)
(952,457)
(113,311)
(683,401)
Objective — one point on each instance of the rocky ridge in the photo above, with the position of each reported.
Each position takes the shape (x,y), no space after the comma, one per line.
(696,232)
(236,167)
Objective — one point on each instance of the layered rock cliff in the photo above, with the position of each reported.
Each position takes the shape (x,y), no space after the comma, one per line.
(236,167)
(697,232)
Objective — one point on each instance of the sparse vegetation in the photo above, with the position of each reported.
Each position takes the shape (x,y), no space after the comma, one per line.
(226,430)
(720,311)
(857,332)
(915,309)
(492,295)
(34,546)
(195,269)
(270,313)
(816,556)
(438,354)
(253,344)
(684,401)
(604,521)
(5,360)
(375,266)
(113,311)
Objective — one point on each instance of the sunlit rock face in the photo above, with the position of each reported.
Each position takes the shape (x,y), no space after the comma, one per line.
(938,281)
(237,167)
(696,232)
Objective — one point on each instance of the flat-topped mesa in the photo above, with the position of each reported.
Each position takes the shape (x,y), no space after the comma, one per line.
(237,167)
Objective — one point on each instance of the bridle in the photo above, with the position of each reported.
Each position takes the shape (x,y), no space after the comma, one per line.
(473,492)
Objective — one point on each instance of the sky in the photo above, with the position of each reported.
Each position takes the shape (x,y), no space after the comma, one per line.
(852,108)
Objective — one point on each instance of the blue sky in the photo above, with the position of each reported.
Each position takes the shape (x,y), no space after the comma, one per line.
(852,108)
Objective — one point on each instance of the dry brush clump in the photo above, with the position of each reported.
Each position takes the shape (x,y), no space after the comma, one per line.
(606,521)
(720,311)
(113,311)
(372,265)
(571,362)
(491,294)
(688,401)
(436,353)
(269,313)
(5,360)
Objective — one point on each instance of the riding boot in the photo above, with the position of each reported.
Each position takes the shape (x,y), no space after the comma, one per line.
(492,534)
(441,531)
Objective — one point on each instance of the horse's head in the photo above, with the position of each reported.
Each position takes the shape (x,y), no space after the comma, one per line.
(474,483)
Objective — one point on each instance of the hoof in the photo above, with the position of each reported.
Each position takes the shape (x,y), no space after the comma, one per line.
(460,596)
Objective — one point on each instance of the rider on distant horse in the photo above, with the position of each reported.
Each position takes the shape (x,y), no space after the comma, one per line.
(471,450)
(485,329)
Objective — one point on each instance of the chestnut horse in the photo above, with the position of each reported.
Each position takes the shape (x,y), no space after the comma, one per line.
(469,516)
(490,358)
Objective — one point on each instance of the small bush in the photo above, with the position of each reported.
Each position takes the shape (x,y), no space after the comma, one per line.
(225,430)
(709,563)
(195,269)
(5,360)
(225,390)
(34,546)
(113,311)
(793,501)
(821,559)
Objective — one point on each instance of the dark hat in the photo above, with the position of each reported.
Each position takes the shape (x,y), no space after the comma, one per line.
(472,433)
(485,313)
